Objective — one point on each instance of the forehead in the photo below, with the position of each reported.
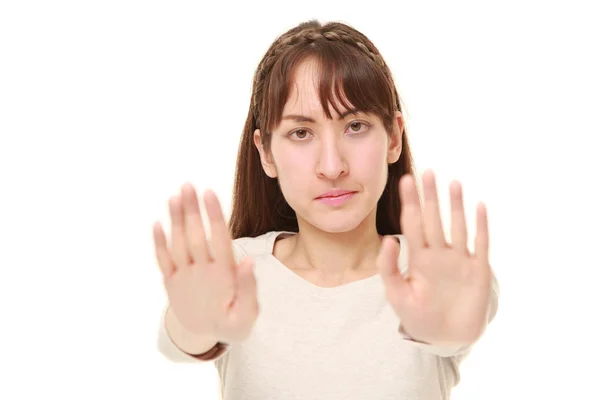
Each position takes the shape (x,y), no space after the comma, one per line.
(303,96)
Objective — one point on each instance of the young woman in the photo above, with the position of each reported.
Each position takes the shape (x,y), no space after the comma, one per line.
(332,280)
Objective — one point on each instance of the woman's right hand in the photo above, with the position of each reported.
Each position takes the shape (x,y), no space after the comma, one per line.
(208,292)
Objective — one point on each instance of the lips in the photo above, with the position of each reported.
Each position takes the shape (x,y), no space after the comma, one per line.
(334,194)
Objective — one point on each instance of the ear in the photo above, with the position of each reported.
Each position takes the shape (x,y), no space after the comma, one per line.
(395,143)
(265,159)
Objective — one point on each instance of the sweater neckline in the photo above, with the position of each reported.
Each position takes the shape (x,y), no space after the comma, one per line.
(349,288)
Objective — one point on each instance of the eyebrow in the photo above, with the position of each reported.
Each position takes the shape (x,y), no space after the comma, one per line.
(304,118)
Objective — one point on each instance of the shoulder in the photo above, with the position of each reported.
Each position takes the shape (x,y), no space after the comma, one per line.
(254,246)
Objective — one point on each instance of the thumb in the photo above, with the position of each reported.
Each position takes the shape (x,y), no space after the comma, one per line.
(387,262)
(246,296)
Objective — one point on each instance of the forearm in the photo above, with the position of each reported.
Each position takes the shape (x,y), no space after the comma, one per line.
(185,340)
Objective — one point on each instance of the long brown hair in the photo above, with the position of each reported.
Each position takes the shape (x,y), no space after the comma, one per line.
(352,69)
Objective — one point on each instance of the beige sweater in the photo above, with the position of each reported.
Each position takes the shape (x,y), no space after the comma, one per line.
(317,343)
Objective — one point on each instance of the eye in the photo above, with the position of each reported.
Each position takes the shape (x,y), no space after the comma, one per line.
(356,125)
(300,134)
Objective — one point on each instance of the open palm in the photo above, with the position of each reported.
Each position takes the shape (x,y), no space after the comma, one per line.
(444,297)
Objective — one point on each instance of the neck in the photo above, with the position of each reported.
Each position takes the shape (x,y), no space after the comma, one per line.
(336,254)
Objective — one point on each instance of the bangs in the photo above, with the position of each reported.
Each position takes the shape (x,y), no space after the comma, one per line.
(347,78)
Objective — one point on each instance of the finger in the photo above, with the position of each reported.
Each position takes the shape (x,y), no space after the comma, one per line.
(432,222)
(194,228)
(387,261)
(410,212)
(459,226)
(179,251)
(482,236)
(220,236)
(162,252)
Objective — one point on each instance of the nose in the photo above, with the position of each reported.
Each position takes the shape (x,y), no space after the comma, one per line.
(331,164)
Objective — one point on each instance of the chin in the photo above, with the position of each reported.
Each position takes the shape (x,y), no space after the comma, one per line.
(336,222)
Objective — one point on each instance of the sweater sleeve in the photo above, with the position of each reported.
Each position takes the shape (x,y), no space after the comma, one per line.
(172,352)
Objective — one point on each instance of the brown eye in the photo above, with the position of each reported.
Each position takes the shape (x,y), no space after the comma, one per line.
(300,134)
(354,125)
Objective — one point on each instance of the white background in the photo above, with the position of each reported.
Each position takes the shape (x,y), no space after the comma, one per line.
(107,107)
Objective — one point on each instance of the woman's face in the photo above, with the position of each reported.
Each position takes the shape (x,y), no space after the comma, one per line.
(312,155)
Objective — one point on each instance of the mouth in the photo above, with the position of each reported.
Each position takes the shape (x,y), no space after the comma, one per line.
(336,199)
(334,194)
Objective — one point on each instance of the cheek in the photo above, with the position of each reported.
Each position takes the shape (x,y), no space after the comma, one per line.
(293,168)
(369,161)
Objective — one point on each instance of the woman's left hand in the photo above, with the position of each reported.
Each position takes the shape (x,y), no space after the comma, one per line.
(444,298)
